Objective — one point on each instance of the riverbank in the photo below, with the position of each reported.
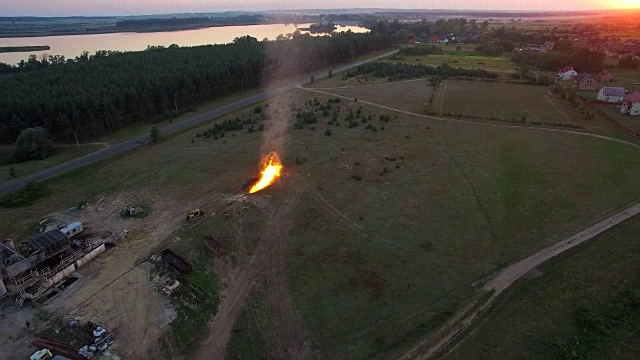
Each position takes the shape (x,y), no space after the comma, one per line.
(8,49)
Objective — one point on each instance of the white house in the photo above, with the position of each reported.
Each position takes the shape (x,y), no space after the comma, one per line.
(612,94)
(567,73)
(631,104)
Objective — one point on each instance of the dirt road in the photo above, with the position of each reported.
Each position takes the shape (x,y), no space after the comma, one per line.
(507,277)
(278,223)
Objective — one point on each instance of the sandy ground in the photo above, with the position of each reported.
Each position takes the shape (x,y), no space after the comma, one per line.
(115,290)
(507,277)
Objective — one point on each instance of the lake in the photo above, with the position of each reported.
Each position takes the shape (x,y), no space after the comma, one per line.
(72,45)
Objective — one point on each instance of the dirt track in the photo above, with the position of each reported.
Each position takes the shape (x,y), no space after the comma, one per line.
(288,338)
(507,277)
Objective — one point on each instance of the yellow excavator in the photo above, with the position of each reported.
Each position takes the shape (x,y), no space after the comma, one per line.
(194,214)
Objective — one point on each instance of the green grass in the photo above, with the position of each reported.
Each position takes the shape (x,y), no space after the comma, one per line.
(632,122)
(191,324)
(538,314)
(464,59)
(375,264)
(466,201)
(247,341)
(62,155)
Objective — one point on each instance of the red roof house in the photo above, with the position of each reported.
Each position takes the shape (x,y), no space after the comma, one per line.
(605,76)
(435,39)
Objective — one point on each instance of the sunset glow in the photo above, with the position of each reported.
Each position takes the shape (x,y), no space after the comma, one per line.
(624,4)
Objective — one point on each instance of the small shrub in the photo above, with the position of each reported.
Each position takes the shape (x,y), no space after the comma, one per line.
(155,134)
(356,177)
(12,172)
(25,196)
(328,132)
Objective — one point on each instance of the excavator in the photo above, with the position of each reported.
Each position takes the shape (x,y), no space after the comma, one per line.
(194,214)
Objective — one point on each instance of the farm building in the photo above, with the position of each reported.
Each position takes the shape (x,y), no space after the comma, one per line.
(605,76)
(585,81)
(567,73)
(612,94)
(631,104)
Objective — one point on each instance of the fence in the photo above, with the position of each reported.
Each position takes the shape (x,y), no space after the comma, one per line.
(611,118)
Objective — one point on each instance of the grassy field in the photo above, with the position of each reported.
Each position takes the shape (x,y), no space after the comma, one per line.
(401,250)
(465,58)
(411,96)
(397,219)
(528,102)
(539,314)
(632,122)
(62,155)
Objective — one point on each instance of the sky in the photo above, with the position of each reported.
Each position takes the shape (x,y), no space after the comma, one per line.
(143,7)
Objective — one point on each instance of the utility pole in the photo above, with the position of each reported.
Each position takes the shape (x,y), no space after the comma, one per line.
(77,143)
(176,103)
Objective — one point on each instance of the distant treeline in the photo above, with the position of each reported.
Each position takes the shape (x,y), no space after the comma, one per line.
(7,49)
(96,95)
(400,71)
(194,21)
(422,49)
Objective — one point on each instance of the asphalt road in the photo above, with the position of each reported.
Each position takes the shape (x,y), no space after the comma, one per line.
(171,129)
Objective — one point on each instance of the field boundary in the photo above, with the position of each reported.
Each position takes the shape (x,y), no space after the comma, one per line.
(479,123)
(594,105)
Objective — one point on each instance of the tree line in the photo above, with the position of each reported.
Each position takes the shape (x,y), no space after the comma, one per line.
(97,95)
(399,71)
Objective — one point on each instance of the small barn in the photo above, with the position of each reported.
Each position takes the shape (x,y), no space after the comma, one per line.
(614,95)
(631,104)
(605,76)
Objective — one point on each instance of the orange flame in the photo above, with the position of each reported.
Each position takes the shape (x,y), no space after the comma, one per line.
(271,172)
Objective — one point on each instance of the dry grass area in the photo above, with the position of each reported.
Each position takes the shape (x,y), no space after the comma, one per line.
(406,95)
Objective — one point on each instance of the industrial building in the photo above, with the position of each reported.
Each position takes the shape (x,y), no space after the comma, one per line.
(39,265)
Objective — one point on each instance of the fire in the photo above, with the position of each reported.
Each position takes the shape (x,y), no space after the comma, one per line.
(271,172)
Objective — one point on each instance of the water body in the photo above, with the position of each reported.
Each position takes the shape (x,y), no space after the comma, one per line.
(72,45)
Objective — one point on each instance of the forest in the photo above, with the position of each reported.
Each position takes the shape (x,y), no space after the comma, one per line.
(97,95)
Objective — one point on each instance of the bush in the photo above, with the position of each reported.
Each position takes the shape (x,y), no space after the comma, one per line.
(33,144)
(12,172)
(155,134)
(328,132)
(257,109)
(356,177)
(25,196)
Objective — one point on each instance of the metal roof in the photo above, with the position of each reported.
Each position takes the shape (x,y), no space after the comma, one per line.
(49,242)
(613,91)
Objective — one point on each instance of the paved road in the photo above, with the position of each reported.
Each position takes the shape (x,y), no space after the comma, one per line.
(172,129)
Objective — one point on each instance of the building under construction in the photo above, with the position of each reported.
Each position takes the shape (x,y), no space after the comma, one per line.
(38,266)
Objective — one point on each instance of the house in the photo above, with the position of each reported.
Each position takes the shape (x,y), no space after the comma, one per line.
(412,41)
(435,39)
(612,94)
(631,104)
(567,73)
(605,76)
(585,81)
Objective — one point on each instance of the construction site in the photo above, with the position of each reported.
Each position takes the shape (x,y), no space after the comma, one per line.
(50,278)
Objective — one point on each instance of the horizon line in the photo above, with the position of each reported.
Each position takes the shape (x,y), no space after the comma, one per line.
(532,11)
